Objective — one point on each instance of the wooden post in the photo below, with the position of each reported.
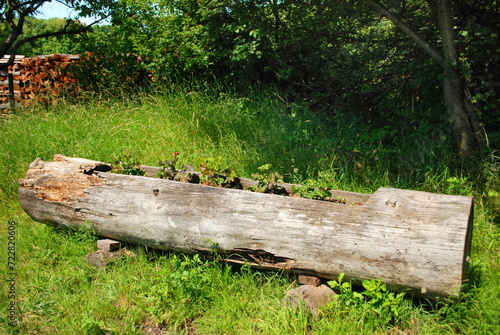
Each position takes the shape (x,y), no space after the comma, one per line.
(12,101)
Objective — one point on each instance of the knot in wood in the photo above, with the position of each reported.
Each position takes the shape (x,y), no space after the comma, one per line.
(392,203)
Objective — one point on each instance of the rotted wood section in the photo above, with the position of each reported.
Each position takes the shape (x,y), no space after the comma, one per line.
(414,241)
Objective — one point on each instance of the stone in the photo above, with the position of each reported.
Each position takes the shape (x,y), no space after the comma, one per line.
(309,280)
(108,245)
(314,297)
(101,258)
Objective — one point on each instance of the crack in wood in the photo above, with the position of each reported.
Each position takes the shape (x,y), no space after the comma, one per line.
(260,257)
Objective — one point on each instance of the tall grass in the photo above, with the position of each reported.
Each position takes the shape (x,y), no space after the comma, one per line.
(57,292)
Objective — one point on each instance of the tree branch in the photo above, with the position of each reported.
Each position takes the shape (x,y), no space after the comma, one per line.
(15,47)
(55,33)
(433,52)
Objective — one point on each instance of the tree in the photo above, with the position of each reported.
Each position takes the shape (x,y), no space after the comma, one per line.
(14,14)
(464,120)
(65,44)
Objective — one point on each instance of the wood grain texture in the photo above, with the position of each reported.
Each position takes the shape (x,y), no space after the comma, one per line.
(412,240)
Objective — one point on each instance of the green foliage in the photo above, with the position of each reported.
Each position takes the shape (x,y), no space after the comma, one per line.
(91,325)
(168,168)
(479,52)
(382,301)
(68,44)
(375,297)
(126,164)
(191,280)
(215,173)
(313,189)
(18,28)
(350,296)
(268,182)
(459,186)
(161,32)
(334,57)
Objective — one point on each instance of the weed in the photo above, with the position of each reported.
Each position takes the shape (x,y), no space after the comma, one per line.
(168,167)
(350,296)
(459,185)
(268,182)
(214,173)
(91,325)
(381,300)
(313,189)
(375,297)
(125,164)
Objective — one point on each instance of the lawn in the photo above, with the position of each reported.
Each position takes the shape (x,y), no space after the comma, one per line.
(56,291)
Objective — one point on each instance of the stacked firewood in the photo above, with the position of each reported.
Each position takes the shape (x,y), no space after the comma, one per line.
(4,80)
(41,78)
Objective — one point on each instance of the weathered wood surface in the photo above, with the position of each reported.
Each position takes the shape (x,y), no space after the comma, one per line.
(412,240)
(342,196)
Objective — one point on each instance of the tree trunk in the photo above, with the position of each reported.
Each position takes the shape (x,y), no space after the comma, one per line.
(411,240)
(465,122)
(452,86)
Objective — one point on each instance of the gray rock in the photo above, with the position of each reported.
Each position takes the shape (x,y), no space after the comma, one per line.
(101,258)
(314,297)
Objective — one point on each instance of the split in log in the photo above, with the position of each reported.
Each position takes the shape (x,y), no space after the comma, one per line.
(411,240)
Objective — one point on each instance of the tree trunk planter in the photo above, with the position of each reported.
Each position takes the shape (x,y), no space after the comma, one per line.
(412,240)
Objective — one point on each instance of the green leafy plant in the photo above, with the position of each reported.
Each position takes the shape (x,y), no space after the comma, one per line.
(375,296)
(168,167)
(384,302)
(268,182)
(91,325)
(345,289)
(214,173)
(192,279)
(125,164)
(313,190)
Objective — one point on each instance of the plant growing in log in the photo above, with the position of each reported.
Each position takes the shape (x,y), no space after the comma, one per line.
(235,220)
(125,164)
(214,174)
(168,168)
(268,181)
(313,190)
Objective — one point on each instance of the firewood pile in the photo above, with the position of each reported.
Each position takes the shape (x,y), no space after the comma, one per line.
(4,80)
(39,78)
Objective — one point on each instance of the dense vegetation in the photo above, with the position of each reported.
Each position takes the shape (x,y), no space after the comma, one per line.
(322,90)
(338,57)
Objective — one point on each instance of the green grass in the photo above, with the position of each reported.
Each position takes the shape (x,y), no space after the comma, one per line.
(57,292)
